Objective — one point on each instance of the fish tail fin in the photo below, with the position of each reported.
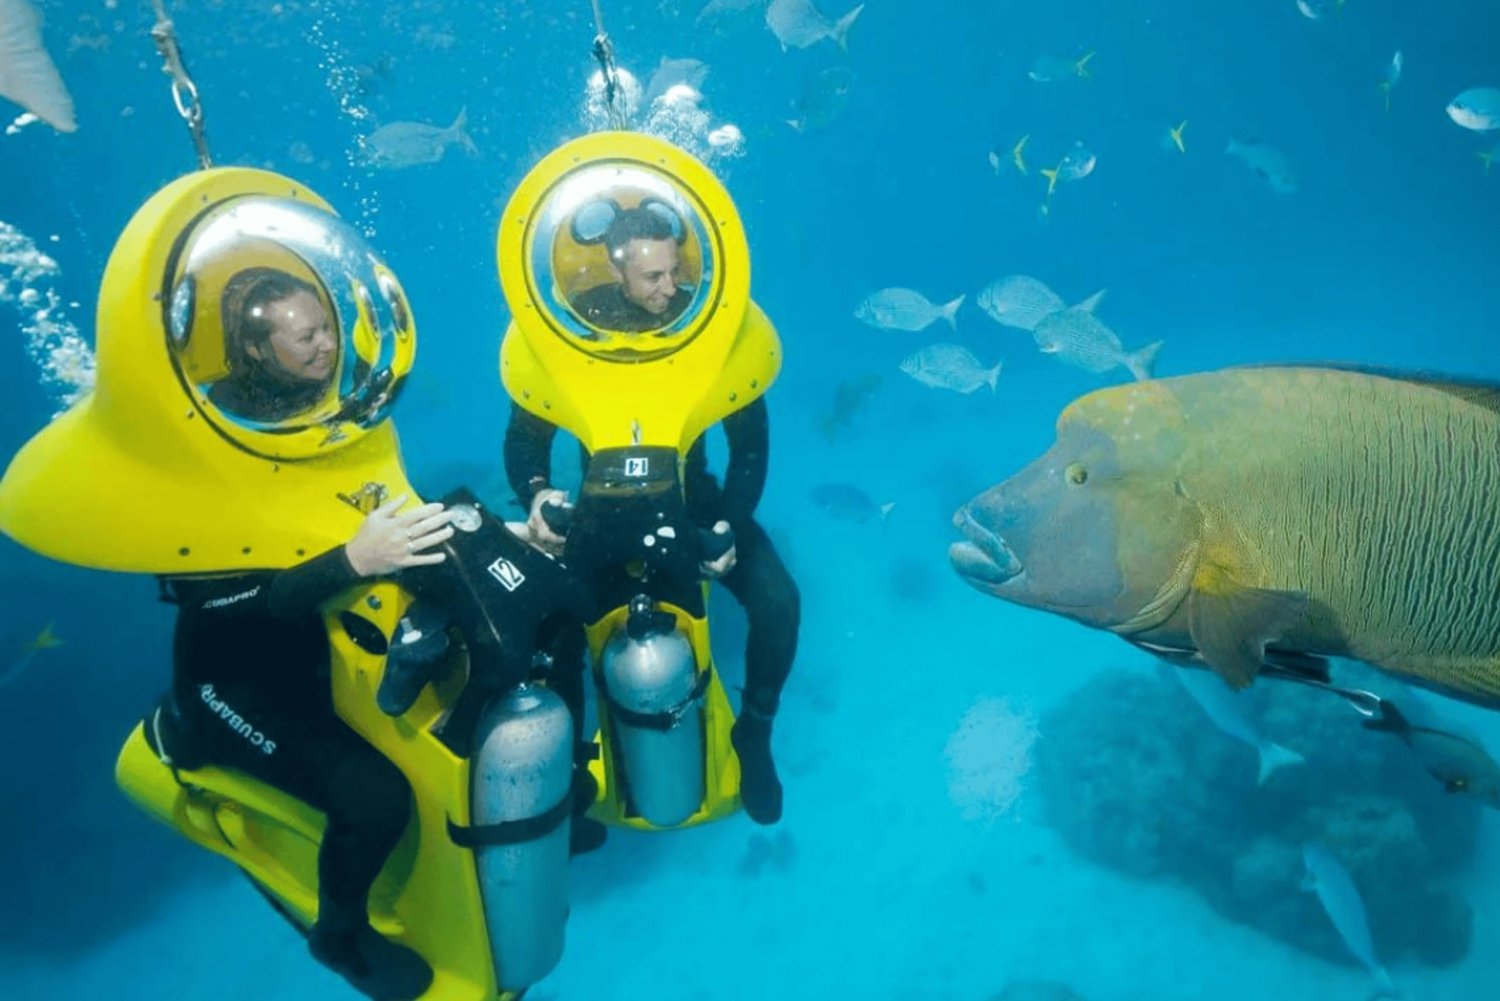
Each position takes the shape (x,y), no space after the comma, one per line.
(1081,67)
(993,375)
(1488,156)
(1177,136)
(840,32)
(459,130)
(950,311)
(1140,361)
(31,77)
(44,640)
(1017,156)
(885,510)
(1274,756)
(1092,302)
(1051,176)
(797,124)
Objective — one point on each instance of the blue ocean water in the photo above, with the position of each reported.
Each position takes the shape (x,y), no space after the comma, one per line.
(889,881)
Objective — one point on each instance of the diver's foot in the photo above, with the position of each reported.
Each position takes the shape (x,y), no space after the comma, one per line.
(375,966)
(586,836)
(760,789)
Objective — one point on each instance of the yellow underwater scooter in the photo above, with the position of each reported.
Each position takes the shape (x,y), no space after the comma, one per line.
(193,488)
(637,401)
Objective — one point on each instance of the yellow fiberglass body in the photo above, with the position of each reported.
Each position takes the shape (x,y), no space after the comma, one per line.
(155,473)
(614,389)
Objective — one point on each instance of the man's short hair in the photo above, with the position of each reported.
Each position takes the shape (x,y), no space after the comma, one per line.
(635,224)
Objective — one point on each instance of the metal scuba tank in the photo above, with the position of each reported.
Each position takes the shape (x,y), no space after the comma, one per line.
(521,805)
(654,694)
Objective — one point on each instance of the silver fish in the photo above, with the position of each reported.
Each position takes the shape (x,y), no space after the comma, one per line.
(1391,77)
(1330,881)
(27,74)
(798,24)
(408,144)
(904,309)
(1022,302)
(1267,161)
(846,502)
(1050,69)
(1079,338)
(950,366)
(823,99)
(1226,709)
(1077,163)
(1477,109)
(670,72)
(1460,764)
(715,10)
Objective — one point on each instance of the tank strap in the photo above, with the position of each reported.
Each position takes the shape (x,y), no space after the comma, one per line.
(666,719)
(512,832)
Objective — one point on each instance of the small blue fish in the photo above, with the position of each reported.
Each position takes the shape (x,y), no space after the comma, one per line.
(846,502)
(409,144)
(1330,881)
(798,24)
(1225,707)
(45,640)
(1477,109)
(1050,69)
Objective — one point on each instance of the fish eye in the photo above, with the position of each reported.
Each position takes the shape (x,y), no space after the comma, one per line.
(1076,473)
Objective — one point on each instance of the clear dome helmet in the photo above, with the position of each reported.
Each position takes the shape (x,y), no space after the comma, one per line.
(622,265)
(288,332)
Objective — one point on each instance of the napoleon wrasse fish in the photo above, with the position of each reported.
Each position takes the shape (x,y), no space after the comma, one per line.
(1227,516)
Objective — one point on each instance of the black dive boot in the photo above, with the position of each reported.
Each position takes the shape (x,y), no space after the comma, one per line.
(587,834)
(760,789)
(378,968)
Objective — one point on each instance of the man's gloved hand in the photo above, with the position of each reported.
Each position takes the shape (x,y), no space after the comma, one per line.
(714,569)
(542,535)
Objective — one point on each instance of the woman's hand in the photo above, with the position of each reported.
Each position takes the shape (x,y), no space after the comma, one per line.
(387,541)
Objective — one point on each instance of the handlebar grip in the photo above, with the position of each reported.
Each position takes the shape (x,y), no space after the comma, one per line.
(715,544)
(559,517)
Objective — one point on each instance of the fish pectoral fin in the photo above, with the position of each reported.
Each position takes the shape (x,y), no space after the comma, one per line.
(1231,625)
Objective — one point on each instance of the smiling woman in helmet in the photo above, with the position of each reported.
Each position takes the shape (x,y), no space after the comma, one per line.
(282,345)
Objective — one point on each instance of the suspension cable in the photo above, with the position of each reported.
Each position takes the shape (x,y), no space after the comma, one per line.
(604,53)
(184,91)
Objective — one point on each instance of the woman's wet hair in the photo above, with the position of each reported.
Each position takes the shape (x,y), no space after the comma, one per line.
(246,320)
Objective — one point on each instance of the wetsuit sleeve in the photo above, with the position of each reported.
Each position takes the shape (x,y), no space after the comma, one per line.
(528,454)
(298,591)
(749,434)
(285,595)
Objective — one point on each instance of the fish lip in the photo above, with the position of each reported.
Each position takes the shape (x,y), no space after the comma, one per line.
(976,567)
(984,556)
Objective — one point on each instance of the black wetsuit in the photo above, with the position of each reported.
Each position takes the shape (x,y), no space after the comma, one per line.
(606,307)
(759,580)
(251,690)
(260,393)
